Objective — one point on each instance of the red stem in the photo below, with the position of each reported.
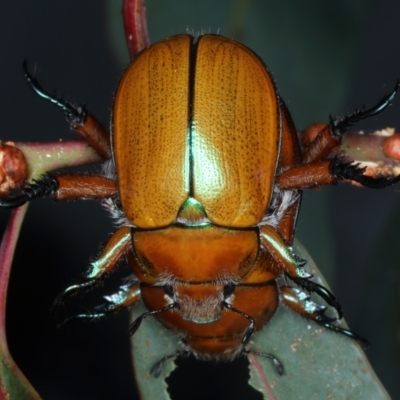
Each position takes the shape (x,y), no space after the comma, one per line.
(135,23)
(258,369)
(7,249)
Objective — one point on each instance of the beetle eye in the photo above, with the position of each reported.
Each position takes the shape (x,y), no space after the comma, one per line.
(169,290)
(228,290)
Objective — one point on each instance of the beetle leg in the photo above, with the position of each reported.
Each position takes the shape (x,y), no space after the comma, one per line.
(157,367)
(330,172)
(287,224)
(306,175)
(287,261)
(323,292)
(300,302)
(250,329)
(339,126)
(330,135)
(134,326)
(125,297)
(115,248)
(292,266)
(246,337)
(63,187)
(78,118)
(320,147)
(277,364)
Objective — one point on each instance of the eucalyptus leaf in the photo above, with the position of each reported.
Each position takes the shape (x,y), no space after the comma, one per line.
(150,344)
(318,363)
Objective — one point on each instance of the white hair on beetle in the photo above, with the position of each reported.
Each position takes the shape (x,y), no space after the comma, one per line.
(117,214)
(280,203)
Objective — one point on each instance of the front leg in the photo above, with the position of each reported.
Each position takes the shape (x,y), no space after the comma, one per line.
(63,187)
(330,135)
(127,296)
(77,116)
(330,172)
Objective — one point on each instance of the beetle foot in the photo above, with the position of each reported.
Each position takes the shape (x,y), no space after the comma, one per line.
(378,182)
(156,369)
(322,292)
(343,169)
(348,170)
(89,316)
(340,125)
(300,263)
(43,187)
(321,317)
(277,364)
(14,201)
(134,326)
(362,341)
(72,290)
(75,114)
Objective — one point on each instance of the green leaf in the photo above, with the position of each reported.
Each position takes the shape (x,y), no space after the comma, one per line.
(14,385)
(318,363)
(151,342)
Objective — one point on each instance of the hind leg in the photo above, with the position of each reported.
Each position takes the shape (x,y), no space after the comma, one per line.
(128,295)
(300,302)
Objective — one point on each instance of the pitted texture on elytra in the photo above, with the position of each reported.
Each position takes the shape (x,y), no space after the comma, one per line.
(150,133)
(235,133)
(196,120)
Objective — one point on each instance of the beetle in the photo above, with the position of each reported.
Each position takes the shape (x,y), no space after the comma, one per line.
(204,171)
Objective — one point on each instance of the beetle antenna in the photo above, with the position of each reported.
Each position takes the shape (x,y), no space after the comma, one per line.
(136,323)
(277,364)
(250,329)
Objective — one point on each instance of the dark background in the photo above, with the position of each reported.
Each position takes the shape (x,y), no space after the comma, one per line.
(327,58)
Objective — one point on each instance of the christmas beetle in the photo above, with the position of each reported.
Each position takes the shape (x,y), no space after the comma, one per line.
(204,172)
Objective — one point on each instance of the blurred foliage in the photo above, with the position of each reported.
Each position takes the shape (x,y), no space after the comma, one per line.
(383,280)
